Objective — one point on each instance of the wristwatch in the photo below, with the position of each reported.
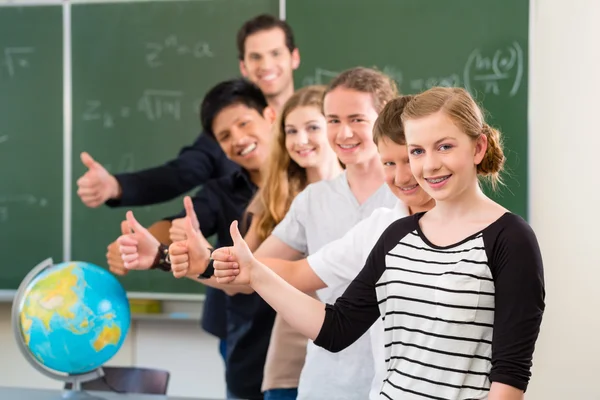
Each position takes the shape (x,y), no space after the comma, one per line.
(210,269)
(163,259)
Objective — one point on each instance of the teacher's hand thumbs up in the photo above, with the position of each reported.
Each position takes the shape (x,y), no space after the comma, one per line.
(96,185)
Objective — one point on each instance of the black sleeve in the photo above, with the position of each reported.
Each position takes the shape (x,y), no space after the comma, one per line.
(194,165)
(516,265)
(357,309)
(206,206)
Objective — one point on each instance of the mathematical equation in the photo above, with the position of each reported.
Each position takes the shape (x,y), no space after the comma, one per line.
(16,59)
(497,72)
(24,199)
(156,52)
(503,67)
(153,105)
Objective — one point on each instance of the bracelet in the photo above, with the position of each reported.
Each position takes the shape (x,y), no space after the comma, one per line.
(163,259)
(210,269)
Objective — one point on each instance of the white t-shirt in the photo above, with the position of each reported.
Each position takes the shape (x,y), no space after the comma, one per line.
(338,263)
(320,214)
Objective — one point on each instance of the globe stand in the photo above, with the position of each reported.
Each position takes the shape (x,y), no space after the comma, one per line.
(76,380)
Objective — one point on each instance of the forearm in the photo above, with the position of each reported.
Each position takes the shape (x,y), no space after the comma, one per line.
(500,391)
(302,312)
(296,273)
(230,289)
(160,230)
(151,186)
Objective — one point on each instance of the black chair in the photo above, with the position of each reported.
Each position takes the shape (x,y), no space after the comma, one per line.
(129,380)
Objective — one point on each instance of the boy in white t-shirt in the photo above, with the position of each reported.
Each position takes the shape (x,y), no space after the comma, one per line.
(326,210)
(336,264)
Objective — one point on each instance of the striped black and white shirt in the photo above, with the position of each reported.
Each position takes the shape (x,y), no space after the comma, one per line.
(456,318)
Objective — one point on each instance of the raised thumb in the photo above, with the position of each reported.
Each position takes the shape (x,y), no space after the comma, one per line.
(191,226)
(236,236)
(125,229)
(87,160)
(132,222)
(190,213)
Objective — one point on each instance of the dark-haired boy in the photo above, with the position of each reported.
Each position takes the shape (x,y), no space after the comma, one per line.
(236,115)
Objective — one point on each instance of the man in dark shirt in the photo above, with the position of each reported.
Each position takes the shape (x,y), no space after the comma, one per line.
(268,56)
(236,115)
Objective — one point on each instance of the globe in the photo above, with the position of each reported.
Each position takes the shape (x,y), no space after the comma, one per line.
(70,319)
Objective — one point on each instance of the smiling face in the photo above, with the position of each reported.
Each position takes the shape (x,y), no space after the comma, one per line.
(306,137)
(244,135)
(350,117)
(398,175)
(443,159)
(268,62)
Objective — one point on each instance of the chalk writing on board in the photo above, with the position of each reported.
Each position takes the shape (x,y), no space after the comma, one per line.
(421,84)
(320,77)
(488,70)
(394,73)
(158,103)
(153,105)
(17,58)
(499,72)
(28,199)
(196,106)
(95,112)
(172,47)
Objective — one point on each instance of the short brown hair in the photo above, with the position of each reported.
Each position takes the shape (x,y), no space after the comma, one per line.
(389,122)
(263,22)
(367,80)
(466,114)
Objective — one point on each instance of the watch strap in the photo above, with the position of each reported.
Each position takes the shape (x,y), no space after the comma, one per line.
(163,259)
(210,268)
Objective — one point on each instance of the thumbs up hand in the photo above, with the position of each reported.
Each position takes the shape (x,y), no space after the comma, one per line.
(190,256)
(97,185)
(177,230)
(113,254)
(234,264)
(139,248)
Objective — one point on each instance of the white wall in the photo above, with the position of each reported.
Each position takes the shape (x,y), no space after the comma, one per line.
(565,139)
(564,166)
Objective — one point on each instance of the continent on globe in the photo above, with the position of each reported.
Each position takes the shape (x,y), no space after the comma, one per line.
(54,295)
(73,317)
(108,335)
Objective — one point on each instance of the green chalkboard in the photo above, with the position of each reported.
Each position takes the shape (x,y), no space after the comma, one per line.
(480,45)
(140,71)
(31,139)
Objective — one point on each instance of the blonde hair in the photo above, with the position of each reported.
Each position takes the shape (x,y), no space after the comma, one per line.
(464,112)
(367,80)
(284,178)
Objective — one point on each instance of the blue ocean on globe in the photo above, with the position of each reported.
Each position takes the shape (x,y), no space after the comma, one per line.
(74,317)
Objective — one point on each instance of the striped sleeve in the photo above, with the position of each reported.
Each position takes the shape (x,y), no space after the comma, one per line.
(357,309)
(517,269)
